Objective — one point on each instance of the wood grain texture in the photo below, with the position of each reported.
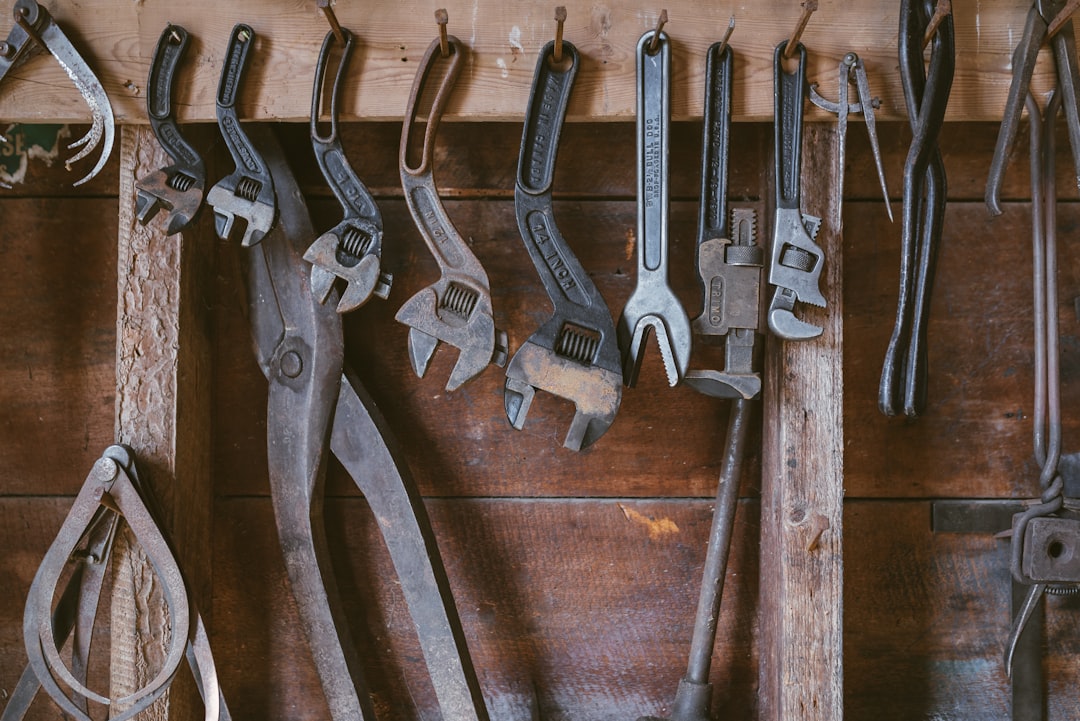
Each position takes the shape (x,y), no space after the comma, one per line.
(118,38)
(802,483)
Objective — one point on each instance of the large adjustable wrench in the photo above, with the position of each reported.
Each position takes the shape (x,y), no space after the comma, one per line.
(574,354)
(653,305)
(455,309)
(796,260)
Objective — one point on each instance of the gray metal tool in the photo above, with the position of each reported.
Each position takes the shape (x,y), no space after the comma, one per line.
(653,306)
(248,193)
(179,187)
(352,249)
(34,26)
(796,260)
(573,355)
(455,309)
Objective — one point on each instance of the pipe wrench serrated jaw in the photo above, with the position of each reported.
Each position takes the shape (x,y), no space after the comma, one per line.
(350,251)
(673,337)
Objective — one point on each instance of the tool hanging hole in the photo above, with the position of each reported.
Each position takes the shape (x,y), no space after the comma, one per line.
(459,300)
(248,188)
(181,181)
(1055,549)
(578,344)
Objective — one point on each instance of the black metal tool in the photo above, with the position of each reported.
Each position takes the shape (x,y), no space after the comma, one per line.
(796,260)
(574,354)
(34,26)
(179,187)
(926,90)
(455,309)
(247,193)
(352,249)
(112,493)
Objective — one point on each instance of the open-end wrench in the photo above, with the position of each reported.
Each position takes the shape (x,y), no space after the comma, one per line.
(729,260)
(352,249)
(653,305)
(796,260)
(179,187)
(248,193)
(573,355)
(35,26)
(456,309)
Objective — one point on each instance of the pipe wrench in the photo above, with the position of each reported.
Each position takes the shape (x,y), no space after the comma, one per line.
(35,26)
(573,355)
(796,260)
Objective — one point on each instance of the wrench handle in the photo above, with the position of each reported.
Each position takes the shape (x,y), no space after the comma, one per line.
(653,135)
(544,119)
(788,92)
(319,88)
(170,50)
(715,145)
(243,152)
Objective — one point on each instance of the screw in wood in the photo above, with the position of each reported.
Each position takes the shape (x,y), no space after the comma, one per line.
(442,18)
(808,8)
(331,17)
(660,23)
(1062,17)
(560,20)
(942,10)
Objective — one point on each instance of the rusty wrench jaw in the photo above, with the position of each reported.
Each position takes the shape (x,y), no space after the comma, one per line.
(248,193)
(177,188)
(351,250)
(574,354)
(653,306)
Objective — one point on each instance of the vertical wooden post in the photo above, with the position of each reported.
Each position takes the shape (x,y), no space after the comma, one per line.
(802,483)
(163,414)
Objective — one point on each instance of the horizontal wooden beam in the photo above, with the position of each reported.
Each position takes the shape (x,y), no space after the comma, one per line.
(119,36)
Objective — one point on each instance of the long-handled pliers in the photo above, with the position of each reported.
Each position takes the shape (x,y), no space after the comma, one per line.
(316,403)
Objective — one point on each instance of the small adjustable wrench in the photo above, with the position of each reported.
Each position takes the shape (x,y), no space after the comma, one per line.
(796,261)
(653,305)
(249,192)
(352,249)
(573,355)
(456,309)
(179,187)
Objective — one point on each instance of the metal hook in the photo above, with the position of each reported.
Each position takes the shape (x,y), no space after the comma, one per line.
(442,18)
(809,8)
(660,23)
(560,19)
(942,10)
(727,36)
(331,17)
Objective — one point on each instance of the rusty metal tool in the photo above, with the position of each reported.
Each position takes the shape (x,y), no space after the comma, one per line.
(352,249)
(316,403)
(247,193)
(34,26)
(852,70)
(652,305)
(796,260)
(111,493)
(573,354)
(455,309)
(179,187)
(729,260)
(904,373)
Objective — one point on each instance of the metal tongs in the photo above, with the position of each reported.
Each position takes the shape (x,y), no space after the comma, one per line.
(35,26)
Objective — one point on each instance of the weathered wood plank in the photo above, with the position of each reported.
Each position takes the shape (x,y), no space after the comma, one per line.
(504,38)
(802,483)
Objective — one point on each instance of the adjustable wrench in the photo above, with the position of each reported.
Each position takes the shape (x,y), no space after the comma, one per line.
(573,354)
(456,309)
(352,249)
(177,188)
(249,192)
(796,260)
(653,305)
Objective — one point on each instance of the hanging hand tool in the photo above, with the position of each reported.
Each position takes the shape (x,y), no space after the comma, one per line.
(35,26)
(904,372)
(248,193)
(796,260)
(351,250)
(574,354)
(653,306)
(314,400)
(179,187)
(729,260)
(112,492)
(853,70)
(456,309)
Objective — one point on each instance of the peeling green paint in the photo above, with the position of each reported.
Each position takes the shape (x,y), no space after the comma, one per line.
(23,142)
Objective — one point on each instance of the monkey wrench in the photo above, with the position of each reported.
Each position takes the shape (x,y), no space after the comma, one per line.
(456,309)
(574,354)
(35,26)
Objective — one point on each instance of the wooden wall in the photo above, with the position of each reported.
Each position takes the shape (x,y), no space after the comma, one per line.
(576,574)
